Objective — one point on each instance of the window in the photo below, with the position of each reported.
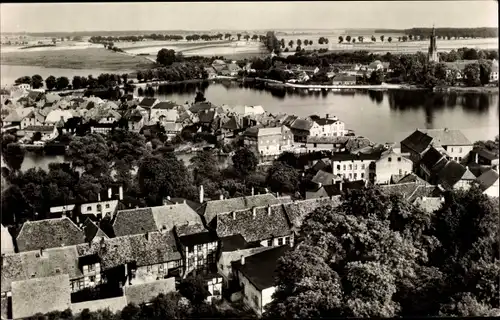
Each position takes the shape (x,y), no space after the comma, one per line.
(89,208)
(399,159)
(350,167)
(199,247)
(344,166)
(350,175)
(459,159)
(338,167)
(107,205)
(91,267)
(362,175)
(389,159)
(315,145)
(99,207)
(451,149)
(92,278)
(280,241)
(355,175)
(148,268)
(400,171)
(355,167)
(460,149)
(362,166)
(160,267)
(269,243)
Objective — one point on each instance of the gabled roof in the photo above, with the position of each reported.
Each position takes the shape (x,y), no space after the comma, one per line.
(191,240)
(431,158)
(301,124)
(165,105)
(39,128)
(147,102)
(260,268)
(448,137)
(30,264)
(231,124)
(42,295)
(353,157)
(211,208)
(146,292)
(35,95)
(143,249)
(323,177)
(233,243)
(411,191)
(451,174)
(343,77)
(206,116)
(142,220)
(325,121)
(417,141)
(113,304)
(92,231)
(487,179)
(49,233)
(200,106)
(411,177)
(256,224)
(297,211)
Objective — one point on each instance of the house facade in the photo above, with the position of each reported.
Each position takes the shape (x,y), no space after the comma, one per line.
(343,80)
(390,163)
(47,132)
(353,166)
(268,141)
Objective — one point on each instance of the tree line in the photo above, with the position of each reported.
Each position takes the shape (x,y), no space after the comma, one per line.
(170,37)
(447,33)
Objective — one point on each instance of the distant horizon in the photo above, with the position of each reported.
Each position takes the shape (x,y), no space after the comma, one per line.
(237,30)
(244,16)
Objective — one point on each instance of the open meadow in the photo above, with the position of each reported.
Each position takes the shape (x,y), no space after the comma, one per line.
(87,58)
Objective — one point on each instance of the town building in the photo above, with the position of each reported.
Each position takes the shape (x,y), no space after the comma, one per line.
(256,276)
(327,127)
(334,190)
(343,80)
(165,111)
(353,166)
(270,141)
(47,133)
(48,233)
(390,163)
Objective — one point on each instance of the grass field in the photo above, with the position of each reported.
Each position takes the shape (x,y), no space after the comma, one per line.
(90,58)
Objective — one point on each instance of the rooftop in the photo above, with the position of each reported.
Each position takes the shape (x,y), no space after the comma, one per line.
(30,297)
(146,292)
(260,268)
(487,179)
(451,174)
(447,137)
(256,224)
(417,141)
(49,233)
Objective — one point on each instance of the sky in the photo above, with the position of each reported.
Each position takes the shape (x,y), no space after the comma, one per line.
(69,17)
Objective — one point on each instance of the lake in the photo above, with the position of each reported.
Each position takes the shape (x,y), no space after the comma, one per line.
(380,116)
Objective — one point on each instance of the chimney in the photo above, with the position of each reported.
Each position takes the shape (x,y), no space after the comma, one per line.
(109,193)
(120,192)
(267,190)
(340,185)
(184,201)
(327,116)
(221,197)
(254,211)
(168,197)
(99,197)
(41,252)
(165,201)
(201,194)
(320,185)
(234,215)
(445,129)
(242,260)
(268,210)
(253,191)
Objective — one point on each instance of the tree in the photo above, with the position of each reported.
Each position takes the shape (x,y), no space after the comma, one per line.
(162,176)
(485,68)
(14,156)
(37,81)
(306,42)
(348,38)
(90,152)
(239,36)
(382,38)
(290,43)
(282,178)
(377,77)
(244,161)
(410,37)
(200,97)
(50,82)
(389,39)
(299,42)
(165,57)
(353,40)
(374,39)
(193,288)
(62,83)
(341,39)
(472,75)
(361,38)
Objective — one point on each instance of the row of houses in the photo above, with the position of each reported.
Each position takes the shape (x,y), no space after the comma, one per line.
(225,241)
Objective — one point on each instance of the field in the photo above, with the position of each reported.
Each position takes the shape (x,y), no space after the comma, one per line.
(87,58)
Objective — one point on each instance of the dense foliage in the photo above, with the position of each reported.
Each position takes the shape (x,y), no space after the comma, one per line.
(381,256)
(446,33)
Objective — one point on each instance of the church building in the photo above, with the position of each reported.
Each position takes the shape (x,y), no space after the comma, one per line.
(433,55)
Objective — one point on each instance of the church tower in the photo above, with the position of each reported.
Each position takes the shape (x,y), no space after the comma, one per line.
(433,55)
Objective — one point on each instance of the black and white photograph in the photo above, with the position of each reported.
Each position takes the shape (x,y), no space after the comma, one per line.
(249,160)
